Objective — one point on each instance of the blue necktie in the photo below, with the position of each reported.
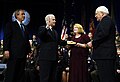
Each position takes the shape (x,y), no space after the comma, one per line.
(22,28)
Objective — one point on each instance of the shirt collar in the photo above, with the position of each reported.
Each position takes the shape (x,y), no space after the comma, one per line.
(18,22)
(49,27)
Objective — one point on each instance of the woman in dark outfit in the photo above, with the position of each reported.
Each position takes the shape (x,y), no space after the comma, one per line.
(78,56)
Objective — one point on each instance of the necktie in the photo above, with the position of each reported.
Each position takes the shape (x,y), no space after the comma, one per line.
(22,28)
(52,32)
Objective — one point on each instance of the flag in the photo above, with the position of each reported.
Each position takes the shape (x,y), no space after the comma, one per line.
(63,33)
(64,30)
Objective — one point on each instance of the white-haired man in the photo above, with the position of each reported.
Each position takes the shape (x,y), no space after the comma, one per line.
(104,48)
(48,50)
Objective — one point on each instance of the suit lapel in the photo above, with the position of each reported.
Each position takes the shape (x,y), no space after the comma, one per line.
(55,34)
(18,26)
(52,34)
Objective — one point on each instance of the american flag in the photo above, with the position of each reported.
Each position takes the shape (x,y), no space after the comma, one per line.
(64,29)
(63,33)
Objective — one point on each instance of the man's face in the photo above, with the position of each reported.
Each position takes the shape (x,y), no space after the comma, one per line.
(21,15)
(52,21)
(99,15)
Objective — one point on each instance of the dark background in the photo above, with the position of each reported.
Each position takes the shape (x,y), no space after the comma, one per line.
(77,11)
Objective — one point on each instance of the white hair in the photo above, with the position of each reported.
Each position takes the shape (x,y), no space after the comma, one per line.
(47,17)
(102,9)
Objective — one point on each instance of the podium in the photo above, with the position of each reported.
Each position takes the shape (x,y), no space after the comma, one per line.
(2,71)
(2,68)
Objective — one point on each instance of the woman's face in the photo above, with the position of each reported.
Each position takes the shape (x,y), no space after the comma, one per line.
(75,30)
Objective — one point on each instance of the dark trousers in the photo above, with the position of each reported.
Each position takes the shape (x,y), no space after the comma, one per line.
(117,77)
(15,70)
(48,71)
(95,76)
(31,75)
(106,70)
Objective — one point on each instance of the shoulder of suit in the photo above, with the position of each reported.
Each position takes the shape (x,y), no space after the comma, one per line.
(42,26)
(10,23)
(107,17)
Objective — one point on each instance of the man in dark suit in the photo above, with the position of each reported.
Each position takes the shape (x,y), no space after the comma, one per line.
(16,47)
(104,48)
(48,52)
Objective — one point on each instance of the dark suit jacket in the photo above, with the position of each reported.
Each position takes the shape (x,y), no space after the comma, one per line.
(104,40)
(14,41)
(49,44)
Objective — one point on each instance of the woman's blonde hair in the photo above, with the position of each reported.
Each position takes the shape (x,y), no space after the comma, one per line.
(80,28)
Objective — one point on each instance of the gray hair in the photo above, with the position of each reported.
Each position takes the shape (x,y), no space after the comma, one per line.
(48,17)
(102,9)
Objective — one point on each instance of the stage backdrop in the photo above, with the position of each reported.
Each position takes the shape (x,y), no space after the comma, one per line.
(74,11)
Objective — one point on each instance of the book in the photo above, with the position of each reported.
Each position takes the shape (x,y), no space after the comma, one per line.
(71,42)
